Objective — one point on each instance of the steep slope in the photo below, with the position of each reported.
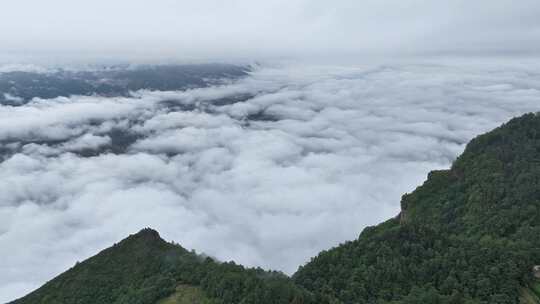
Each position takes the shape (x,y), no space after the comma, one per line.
(470,234)
(136,270)
(144,269)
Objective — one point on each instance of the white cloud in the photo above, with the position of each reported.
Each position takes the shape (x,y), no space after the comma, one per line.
(87,141)
(15,67)
(314,156)
(13,98)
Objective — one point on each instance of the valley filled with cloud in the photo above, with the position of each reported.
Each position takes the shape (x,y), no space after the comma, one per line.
(266,170)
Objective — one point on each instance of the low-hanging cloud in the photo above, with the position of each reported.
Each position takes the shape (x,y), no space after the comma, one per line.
(267,171)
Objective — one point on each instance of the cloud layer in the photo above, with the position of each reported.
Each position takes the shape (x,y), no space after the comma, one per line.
(267,171)
(241,29)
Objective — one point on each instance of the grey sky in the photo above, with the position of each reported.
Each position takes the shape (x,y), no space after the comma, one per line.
(241,29)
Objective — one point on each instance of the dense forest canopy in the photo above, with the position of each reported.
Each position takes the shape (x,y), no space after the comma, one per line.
(144,268)
(470,234)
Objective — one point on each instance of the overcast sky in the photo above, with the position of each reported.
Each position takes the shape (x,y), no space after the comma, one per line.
(246,29)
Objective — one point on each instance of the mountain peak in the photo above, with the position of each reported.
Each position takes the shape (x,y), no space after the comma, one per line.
(147,233)
(116,274)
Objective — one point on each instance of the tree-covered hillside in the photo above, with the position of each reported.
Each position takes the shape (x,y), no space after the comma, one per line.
(470,234)
(144,269)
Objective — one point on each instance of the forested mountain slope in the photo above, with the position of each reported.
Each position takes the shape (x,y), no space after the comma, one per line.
(144,269)
(470,234)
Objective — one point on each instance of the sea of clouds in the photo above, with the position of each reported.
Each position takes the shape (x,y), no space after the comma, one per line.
(266,171)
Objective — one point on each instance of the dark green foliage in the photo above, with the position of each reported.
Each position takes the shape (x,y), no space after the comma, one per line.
(136,270)
(468,235)
(535,287)
(231,283)
(143,269)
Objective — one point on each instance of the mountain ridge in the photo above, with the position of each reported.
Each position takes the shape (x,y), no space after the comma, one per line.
(469,234)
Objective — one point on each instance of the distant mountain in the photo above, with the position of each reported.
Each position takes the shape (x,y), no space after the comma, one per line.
(470,234)
(19,87)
